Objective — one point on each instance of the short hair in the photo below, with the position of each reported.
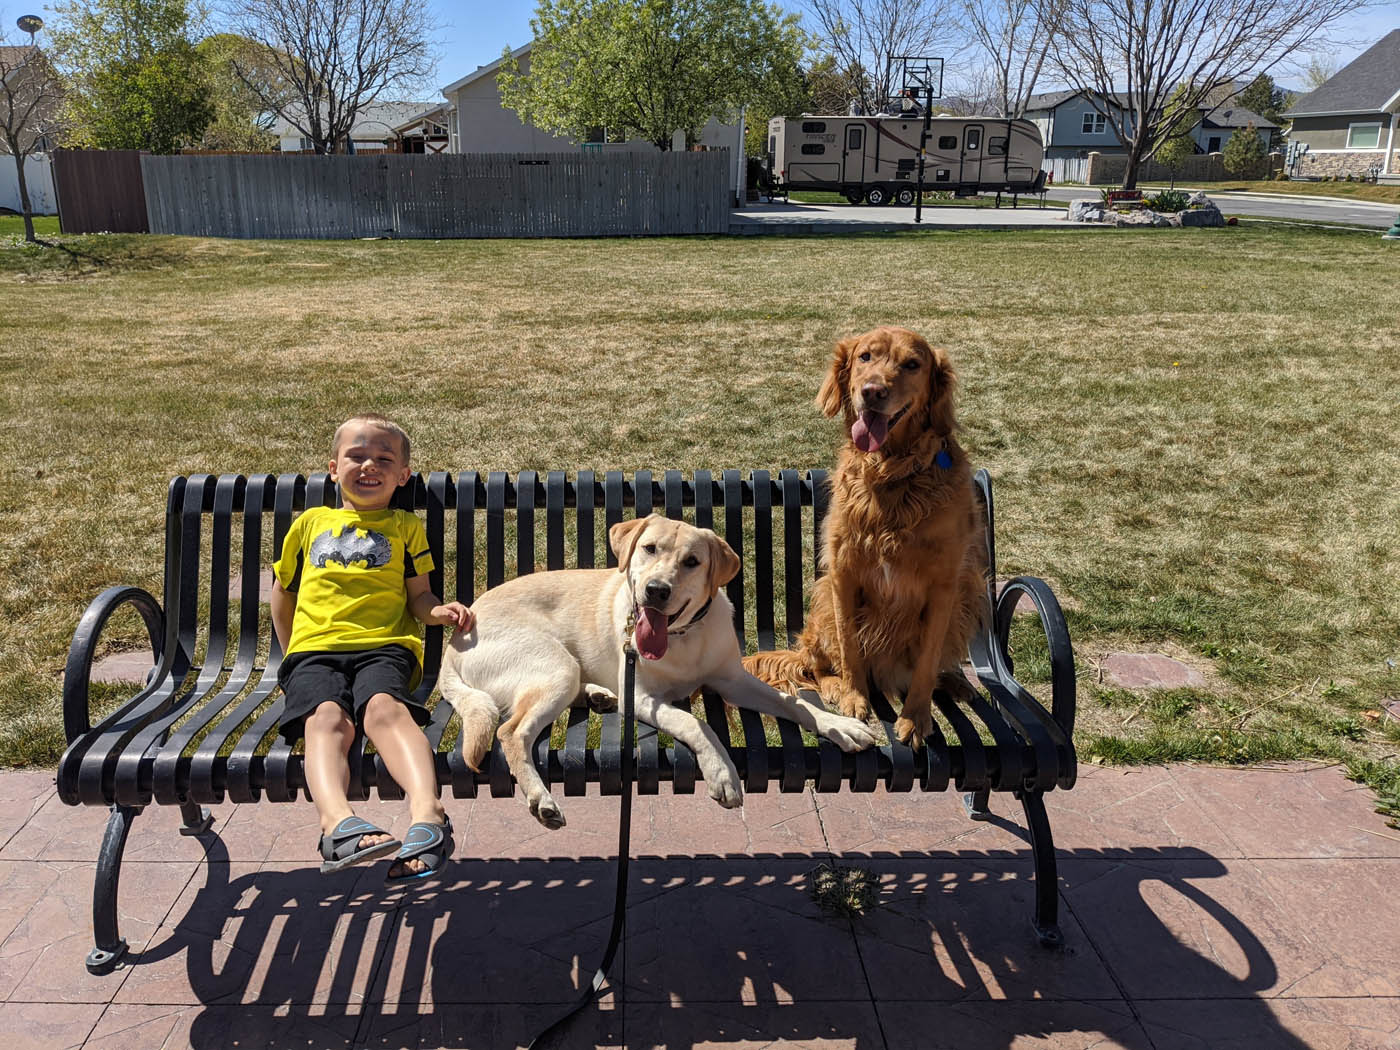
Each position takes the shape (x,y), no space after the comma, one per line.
(382,422)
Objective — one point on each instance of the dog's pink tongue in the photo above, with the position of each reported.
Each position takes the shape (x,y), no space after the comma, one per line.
(869,430)
(651,633)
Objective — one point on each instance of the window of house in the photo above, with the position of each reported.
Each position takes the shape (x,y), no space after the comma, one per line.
(813,127)
(1213,144)
(1363,136)
(996,146)
(305,143)
(1093,124)
(947,142)
(813,148)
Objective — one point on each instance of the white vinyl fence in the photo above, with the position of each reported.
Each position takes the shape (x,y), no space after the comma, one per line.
(38,179)
(443,195)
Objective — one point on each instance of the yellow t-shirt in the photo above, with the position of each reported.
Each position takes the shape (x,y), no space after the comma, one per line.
(348,568)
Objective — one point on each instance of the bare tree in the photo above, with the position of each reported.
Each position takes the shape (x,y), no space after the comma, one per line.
(1134,53)
(329,59)
(869,34)
(30,96)
(1014,36)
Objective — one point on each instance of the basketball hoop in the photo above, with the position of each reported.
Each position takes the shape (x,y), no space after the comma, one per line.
(919,77)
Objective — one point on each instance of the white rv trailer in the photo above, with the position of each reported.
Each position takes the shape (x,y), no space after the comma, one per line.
(876,158)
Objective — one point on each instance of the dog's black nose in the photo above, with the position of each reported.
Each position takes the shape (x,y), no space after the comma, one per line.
(875,393)
(657,592)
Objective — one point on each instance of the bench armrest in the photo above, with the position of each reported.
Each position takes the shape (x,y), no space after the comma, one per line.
(1052,621)
(78,671)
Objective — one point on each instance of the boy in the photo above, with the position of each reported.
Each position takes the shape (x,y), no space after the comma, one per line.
(351,582)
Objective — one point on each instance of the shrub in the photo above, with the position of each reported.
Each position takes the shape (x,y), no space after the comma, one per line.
(1167,201)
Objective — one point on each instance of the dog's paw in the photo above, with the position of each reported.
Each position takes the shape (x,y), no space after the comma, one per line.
(853,705)
(725,790)
(913,731)
(851,734)
(547,812)
(600,699)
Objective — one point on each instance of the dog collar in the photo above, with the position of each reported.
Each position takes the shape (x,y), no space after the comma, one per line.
(943,459)
(693,620)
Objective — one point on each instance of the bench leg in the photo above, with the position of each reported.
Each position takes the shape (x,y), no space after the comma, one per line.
(1047,887)
(197,819)
(109,948)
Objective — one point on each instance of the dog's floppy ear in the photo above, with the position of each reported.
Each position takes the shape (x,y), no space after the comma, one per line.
(622,538)
(832,397)
(942,382)
(724,563)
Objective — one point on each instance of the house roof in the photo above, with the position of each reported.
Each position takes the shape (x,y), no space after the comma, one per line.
(1230,115)
(1369,83)
(1051,99)
(373,122)
(488,69)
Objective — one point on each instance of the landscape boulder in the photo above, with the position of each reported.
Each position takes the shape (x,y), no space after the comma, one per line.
(1086,210)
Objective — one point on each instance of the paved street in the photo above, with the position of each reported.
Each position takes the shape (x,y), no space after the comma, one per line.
(785,218)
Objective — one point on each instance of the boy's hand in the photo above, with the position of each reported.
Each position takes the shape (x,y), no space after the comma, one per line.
(455,614)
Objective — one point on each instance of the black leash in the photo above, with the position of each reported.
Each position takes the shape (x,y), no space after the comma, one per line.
(624,836)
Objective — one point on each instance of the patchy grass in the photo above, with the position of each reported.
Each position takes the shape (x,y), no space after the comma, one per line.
(847,893)
(1199,471)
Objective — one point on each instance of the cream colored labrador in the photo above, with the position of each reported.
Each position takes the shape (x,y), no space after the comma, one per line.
(546,639)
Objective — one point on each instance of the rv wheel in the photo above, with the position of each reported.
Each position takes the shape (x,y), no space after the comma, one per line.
(877,196)
(905,196)
(855,196)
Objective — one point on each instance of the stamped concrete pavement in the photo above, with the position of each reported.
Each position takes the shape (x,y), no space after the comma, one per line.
(1201,907)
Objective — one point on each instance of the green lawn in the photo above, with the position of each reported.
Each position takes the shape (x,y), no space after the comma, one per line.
(13,226)
(1192,432)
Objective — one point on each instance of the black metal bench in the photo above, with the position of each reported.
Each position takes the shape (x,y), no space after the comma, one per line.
(203,729)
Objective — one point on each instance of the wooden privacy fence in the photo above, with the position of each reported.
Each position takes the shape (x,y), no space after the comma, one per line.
(443,195)
(99,191)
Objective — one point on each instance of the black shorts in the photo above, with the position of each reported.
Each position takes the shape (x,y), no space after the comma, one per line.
(309,679)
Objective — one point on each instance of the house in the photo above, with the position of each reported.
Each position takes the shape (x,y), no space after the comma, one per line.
(478,122)
(1349,123)
(485,125)
(1072,127)
(374,130)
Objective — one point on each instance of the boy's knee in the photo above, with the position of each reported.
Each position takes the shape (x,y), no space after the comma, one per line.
(383,710)
(328,717)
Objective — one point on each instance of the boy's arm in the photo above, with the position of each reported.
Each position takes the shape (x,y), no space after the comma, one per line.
(426,608)
(284,606)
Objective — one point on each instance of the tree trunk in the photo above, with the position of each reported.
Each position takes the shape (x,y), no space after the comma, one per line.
(24,204)
(1130,171)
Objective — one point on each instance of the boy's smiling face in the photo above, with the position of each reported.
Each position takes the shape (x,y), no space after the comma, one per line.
(369,465)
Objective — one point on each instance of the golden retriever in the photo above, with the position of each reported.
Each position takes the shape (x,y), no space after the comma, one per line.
(543,640)
(902,546)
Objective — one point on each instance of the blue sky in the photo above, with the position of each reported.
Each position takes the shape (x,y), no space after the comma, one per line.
(475,31)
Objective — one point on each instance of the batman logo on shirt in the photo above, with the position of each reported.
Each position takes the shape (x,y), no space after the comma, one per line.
(373,548)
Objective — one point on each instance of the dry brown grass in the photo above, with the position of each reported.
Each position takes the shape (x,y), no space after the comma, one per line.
(1194,465)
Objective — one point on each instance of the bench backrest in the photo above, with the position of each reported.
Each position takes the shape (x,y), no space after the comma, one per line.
(484,529)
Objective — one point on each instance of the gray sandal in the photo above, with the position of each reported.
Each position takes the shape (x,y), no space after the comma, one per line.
(430,843)
(341,848)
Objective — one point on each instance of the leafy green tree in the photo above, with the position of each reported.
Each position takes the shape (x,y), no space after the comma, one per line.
(653,67)
(242,122)
(132,78)
(1180,144)
(1244,153)
(1267,99)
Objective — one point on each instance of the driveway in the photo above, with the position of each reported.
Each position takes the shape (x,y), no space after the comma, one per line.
(846,218)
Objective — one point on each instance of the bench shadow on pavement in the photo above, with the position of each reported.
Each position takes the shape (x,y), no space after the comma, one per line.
(496,953)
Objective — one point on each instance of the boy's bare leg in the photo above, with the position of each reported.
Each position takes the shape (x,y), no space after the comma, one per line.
(408,758)
(329,734)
